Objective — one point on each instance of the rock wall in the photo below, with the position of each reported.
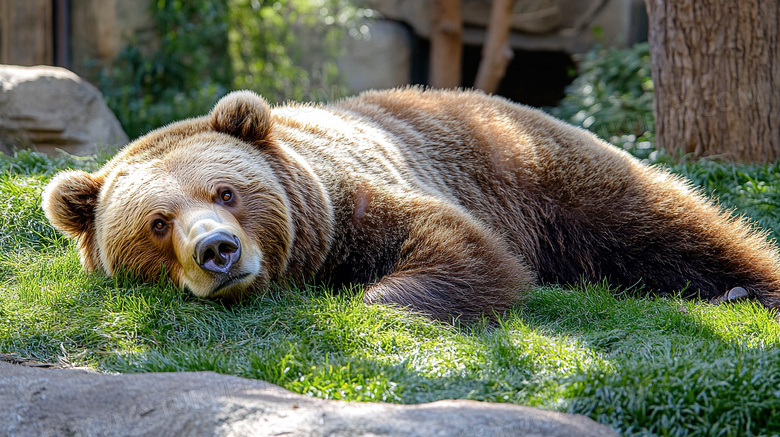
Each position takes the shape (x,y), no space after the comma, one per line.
(379,58)
(556,25)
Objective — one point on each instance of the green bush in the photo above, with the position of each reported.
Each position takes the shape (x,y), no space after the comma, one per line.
(613,97)
(183,77)
(284,50)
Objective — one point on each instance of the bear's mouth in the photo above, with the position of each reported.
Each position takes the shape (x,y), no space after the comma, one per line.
(228,282)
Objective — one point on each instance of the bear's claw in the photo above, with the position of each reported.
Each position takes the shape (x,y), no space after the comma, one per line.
(736,293)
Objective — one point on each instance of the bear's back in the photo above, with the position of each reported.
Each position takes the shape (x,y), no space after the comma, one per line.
(503,162)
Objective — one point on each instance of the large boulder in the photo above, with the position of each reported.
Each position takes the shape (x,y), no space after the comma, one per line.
(78,403)
(49,108)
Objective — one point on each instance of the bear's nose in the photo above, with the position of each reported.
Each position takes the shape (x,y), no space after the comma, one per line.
(217,251)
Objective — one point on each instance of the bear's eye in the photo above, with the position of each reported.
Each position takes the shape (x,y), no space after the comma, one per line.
(226,196)
(159,225)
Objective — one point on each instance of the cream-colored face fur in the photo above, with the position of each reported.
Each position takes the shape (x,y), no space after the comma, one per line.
(186,213)
(195,202)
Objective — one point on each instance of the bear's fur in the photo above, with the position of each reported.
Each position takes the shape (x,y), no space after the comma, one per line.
(450,203)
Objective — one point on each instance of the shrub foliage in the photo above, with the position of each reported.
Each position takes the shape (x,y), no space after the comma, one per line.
(613,97)
(283,49)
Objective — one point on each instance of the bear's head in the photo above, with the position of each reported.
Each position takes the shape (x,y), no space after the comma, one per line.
(197,201)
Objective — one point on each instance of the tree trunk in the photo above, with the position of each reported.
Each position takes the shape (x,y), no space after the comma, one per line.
(446,43)
(26,32)
(496,53)
(716,73)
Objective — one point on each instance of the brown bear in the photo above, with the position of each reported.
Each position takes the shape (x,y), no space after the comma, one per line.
(449,203)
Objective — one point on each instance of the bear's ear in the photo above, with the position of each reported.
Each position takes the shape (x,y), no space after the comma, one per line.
(244,115)
(69,202)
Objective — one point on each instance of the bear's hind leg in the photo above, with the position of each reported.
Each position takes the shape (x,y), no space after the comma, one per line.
(671,237)
(451,267)
(712,249)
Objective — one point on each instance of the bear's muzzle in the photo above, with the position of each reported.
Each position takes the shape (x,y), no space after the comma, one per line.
(217,251)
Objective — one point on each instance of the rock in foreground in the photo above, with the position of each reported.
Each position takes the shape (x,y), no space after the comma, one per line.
(78,403)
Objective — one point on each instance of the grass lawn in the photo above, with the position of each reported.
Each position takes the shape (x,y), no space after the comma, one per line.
(642,366)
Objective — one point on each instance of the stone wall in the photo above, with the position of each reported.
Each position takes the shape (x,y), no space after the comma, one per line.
(391,50)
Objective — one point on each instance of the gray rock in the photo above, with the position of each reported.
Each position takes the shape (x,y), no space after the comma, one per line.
(58,402)
(415,13)
(379,58)
(50,108)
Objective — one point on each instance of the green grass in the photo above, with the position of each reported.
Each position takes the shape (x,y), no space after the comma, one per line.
(642,366)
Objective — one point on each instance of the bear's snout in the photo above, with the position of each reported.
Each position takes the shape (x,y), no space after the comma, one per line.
(217,251)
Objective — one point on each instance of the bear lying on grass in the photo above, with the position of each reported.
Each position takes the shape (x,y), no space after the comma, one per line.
(448,203)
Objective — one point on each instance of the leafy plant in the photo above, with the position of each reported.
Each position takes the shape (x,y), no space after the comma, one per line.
(613,97)
(282,49)
(183,77)
(287,49)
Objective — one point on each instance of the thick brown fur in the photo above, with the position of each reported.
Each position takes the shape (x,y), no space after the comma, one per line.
(450,203)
